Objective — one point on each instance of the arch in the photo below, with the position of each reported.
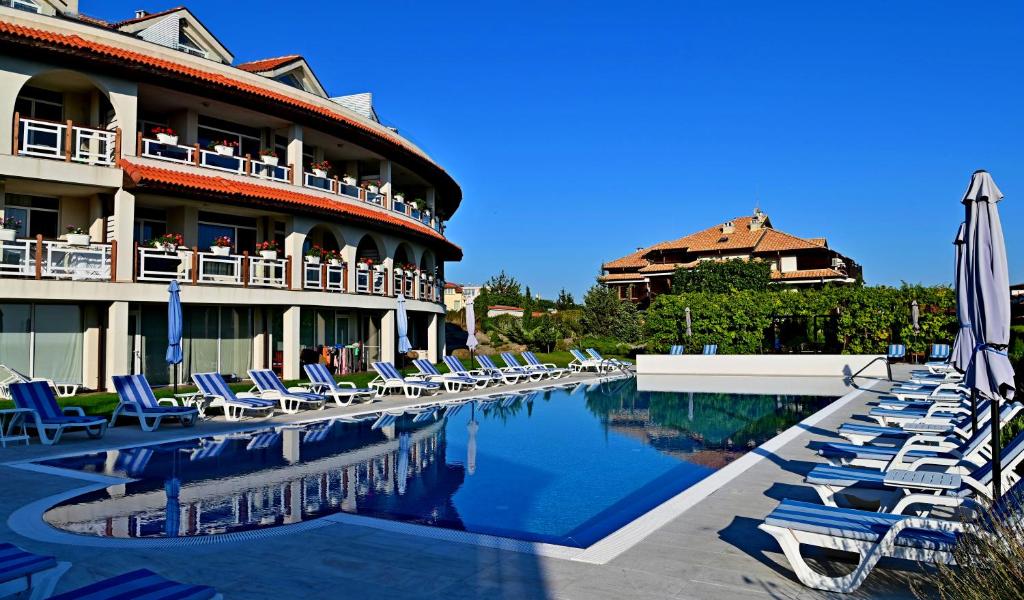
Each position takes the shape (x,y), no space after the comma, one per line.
(323,236)
(73,92)
(368,248)
(428,263)
(404,254)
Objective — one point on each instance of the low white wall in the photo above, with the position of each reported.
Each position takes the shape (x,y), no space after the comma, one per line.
(761,365)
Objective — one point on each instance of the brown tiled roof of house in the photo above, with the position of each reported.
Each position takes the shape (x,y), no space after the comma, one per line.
(621,277)
(713,239)
(667,267)
(268,64)
(630,261)
(819,241)
(778,241)
(810,274)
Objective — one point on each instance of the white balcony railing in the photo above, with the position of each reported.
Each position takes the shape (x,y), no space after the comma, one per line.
(159,265)
(267,272)
(52,259)
(324,277)
(208,268)
(169,152)
(66,141)
(371,281)
(268,171)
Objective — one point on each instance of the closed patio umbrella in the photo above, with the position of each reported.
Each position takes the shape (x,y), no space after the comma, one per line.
(915,316)
(402,469)
(689,331)
(402,324)
(471,342)
(989,373)
(963,345)
(174,354)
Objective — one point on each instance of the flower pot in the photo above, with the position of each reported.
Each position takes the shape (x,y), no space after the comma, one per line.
(269,160)
(363,267)
(373,189)
(398,271)
(79,239)
(166,247)
(348,180)
(170,140)
(220,250)
(313,260)
(399,198)
(268,254)
(335,261)
(8,235)
(319,173)
(224,150)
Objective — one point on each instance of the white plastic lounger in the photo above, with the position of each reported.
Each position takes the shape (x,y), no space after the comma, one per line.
(483,378)
(512,365)
(555,371)
(136,399)
(35,402)
(581,362)
(614,362)
(216,394)
(388,379)
(860,433)
(9,376)
(507,375)
(292,400)
(28,575)
(343,392)
(452,382)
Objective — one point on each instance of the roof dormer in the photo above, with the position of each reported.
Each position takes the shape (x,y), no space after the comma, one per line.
(359,103)
(290,70)
(179,29)
(728,227)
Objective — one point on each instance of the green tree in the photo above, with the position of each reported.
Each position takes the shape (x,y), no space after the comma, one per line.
(565,300)
(604,315)
(500,289)
(723,276)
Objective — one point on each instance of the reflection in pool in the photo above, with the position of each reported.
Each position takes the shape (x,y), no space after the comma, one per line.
(561,465)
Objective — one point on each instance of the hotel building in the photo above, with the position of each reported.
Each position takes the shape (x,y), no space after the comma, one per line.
(135,132)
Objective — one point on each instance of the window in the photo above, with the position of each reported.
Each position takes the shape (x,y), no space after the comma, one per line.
(38,215)
(42,340)
(25,5)
(149,223)
(186,43)
(241,230)
(215,130)
(37,103)
(290,79)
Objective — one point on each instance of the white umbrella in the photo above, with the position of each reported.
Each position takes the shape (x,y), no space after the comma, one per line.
(402,324)
(990,372)
(915,316)
(402,469)
(963,346)
(471,342)
(471,428)
(689,332)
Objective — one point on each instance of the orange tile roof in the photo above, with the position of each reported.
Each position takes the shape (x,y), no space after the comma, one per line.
(668,267)
(810,274)
(83,46)
(145,174)
(819,241)
(633,260)
(622,277)
(778,241)
(149,16)
(713,239)
(267,64)
(503,307)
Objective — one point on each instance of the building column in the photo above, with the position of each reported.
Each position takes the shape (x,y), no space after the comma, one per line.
(385,182)
(293,243)
(294,158)
(259,340)
(124,233)
(435,347)
(291,332)
(387,336)
(118,349)
(92,362)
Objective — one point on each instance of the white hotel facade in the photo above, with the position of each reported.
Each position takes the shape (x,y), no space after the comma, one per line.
(79,102)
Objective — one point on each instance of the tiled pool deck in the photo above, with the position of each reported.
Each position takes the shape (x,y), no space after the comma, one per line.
(713,550)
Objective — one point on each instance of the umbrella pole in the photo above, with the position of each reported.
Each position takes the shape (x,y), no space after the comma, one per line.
(974,411)
(175,379)
(997,462)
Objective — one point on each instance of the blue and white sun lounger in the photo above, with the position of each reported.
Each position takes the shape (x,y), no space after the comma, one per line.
(39,407)
(677,350)
(343,392)
(614,362)
(507,375)
(140,584)
(710,349)
(136,399)
(210,448)
(452,382)
(483,378)
(264,440)
(512,366)
(217,394)
(292,400)
(581,362)
(27,575)
(534,362)
(388,378)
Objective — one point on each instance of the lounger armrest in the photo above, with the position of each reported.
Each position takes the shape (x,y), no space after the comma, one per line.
(248,395)
(933,500)
(298,388)
(348,384)
(74,410)
(924,438)
(167,401)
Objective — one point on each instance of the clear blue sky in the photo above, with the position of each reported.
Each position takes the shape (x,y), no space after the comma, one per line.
(580,130)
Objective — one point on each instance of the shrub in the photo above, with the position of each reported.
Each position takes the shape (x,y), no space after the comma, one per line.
(604,315)
(719,277)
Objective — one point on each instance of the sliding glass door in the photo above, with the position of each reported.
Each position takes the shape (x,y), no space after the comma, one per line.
(42,340)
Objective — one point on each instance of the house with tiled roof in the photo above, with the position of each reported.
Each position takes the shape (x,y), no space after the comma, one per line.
(139,152)
(647,272)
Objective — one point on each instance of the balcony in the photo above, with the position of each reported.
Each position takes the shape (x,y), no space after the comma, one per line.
(192,266)
(325,277)
(66,141)
(371,280)
(54,259)
(210,159)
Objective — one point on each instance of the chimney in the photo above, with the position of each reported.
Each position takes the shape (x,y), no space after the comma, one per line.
(757,220)
(140,13)
(728,227)
(639,248)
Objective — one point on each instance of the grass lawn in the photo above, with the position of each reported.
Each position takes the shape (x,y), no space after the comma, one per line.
(103,403)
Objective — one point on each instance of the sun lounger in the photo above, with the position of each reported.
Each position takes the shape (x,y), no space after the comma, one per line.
(216,394)
(9,376)
(710,349)
(292,400)
(677,350)
(512,365)
(483,378)
(27,575)
(452,381)
(614,362)
(865,433)
(388,378)
(39,408)
(343,392)
(581,362)
(507,375)
(555,371)
(142,583)
(136,399)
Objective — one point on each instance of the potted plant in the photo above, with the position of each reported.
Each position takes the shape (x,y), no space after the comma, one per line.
(313,254)
(365,264)
(76,236)
(167,242)
(223,147)
(372,186)
(399,197)
(320,168)
(348,179)
(267,249)
(334,257)
(165,135)
(269,157)
(221,246)
(9,229)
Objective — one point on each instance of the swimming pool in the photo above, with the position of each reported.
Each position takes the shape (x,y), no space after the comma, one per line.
(565,466)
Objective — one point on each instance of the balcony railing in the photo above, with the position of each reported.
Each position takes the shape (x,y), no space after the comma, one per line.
(154,264)
(325,277)
(372,281)
(194,155)
(66,141)
(55,259)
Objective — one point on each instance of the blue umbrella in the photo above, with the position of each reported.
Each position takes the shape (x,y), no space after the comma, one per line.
(402,323)
(989,373)
(174,329)
(172,510)
(402,473)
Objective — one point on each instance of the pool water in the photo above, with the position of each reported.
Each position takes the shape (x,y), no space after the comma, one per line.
(562,465)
